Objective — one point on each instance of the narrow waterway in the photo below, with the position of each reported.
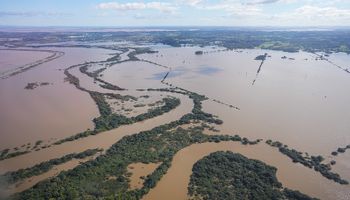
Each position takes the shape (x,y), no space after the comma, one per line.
(102,140)
(173,185)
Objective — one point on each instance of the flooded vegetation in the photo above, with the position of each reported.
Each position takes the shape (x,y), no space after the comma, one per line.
(262,58)
(32,86)
(226,175)
(143,116)
(314,162)
(138,172)
(174,184)
(15,176)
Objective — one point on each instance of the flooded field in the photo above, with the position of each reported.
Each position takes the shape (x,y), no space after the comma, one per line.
(46,112)
(135,75)
(103,140)
(295,98)
(12,59)
(303,98)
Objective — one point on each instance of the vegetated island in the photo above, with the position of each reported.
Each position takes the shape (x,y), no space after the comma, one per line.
(5,154)
(261,58)
(120,154)
(33,85)
(113,120)
(90,180)
(227,175)
(314,162)
(340,150)
(109,120)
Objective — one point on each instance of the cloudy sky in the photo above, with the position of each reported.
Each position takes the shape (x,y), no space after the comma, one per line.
(175,12)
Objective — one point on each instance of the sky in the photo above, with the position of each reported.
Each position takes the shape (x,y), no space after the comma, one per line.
(175,13)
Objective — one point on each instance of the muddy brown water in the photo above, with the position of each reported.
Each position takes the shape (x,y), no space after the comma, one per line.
(135,75)
(30,182)
(103,140)
(12,59)
(53,111)
(139,170)
(301,102)
(173,185)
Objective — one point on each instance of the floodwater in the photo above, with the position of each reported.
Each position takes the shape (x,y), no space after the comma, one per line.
(134,75)
(12,59)
(103,140)
(53,111)
(173,185)
(299,101)
(302,103)
(139,170)
(124,56)
(30,182)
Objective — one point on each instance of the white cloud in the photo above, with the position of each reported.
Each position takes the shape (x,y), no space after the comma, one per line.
(324,12)
(191,2)
(233,9)
(257,2)
(241,12)
(314,16)
(260,2)
(161,6)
